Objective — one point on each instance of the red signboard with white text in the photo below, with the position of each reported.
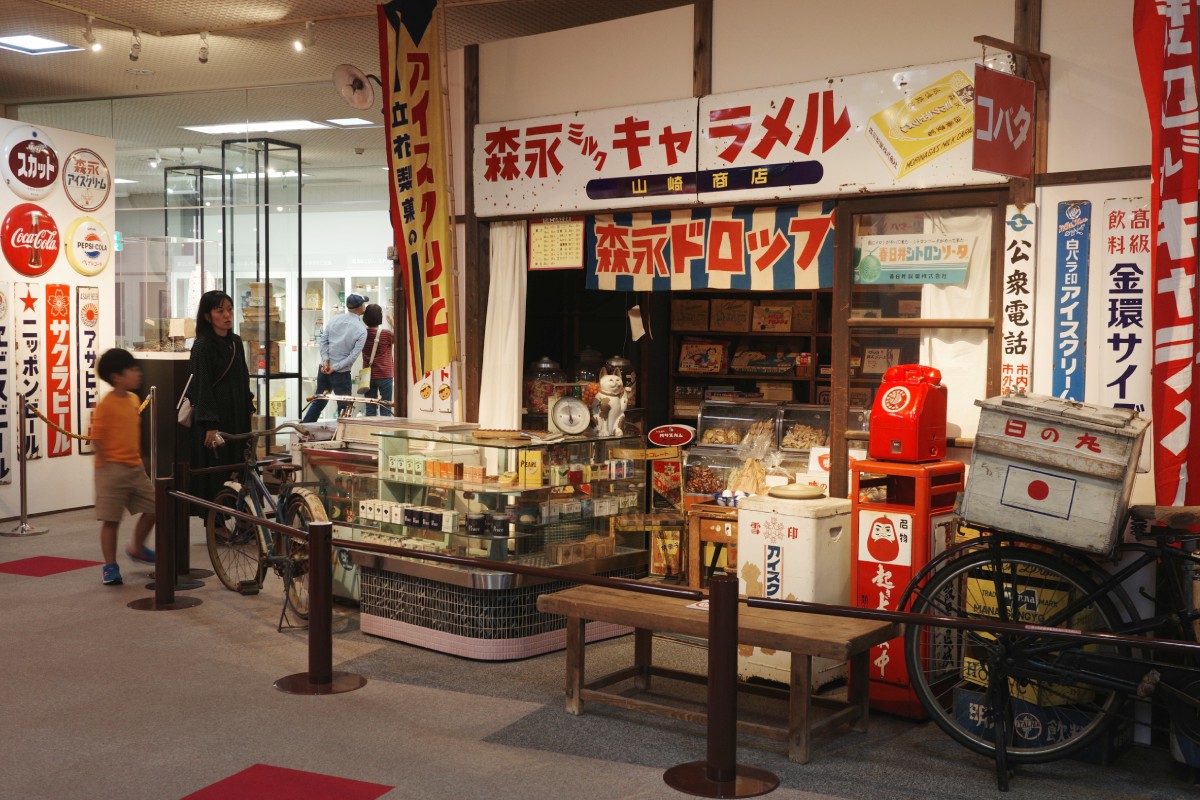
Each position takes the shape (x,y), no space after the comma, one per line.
(1165,38)
(1004,106)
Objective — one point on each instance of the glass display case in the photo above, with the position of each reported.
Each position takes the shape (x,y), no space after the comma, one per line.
(803,427)
(724,424)
(261,205)
(161,280)
(510,500)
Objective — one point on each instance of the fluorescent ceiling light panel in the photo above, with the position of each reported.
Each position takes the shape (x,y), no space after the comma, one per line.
(35,45)
(123,180)
(351,122)
(274,126)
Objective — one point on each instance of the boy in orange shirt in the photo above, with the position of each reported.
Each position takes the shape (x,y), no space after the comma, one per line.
(121,480)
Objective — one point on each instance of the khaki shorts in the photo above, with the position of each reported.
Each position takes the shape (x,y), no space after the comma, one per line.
(122,486)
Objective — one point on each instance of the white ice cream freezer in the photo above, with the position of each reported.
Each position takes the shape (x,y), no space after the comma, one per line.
(793,550)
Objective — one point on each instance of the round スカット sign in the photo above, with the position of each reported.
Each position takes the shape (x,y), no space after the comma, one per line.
(86,179)
(29,239)
(30,163)
(88,246)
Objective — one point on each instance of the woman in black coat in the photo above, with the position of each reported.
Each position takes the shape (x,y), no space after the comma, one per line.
(220,393)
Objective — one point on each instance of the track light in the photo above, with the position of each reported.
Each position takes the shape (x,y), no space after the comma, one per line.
(305,40)
(203,55)
(135,46)
(90,37)
(154,161)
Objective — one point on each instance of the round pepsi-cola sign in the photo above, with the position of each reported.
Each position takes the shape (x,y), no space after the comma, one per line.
(30,163)
(88,246)
(671,435)
(29,239)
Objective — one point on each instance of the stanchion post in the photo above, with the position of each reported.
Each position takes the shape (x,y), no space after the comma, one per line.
(320,603)
(719,775)
(181,474)
(321,677)
(153,432)
(23,527)
(164,542)
(164,598)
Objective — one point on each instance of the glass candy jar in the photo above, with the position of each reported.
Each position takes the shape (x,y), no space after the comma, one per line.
(539,383)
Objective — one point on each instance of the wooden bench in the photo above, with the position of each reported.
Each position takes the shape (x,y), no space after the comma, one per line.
(802,635)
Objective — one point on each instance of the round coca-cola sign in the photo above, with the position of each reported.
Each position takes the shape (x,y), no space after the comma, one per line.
(29,239)
(30,163)
(671,435)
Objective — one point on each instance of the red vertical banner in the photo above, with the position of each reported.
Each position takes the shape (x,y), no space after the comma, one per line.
(414,118)
(58,367)
(1165,38)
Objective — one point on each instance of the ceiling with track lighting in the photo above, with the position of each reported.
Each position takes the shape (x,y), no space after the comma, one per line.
(165,64)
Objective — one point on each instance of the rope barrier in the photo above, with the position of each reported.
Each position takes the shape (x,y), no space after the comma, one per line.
(81,437)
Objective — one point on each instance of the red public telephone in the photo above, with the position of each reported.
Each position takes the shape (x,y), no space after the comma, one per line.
(908,419)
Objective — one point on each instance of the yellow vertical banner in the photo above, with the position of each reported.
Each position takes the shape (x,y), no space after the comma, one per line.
(414,117)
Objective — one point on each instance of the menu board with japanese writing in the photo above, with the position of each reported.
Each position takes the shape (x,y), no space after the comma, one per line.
(556,243)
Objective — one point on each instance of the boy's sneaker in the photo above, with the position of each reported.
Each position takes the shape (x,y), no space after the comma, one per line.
(112,575)
(145,555)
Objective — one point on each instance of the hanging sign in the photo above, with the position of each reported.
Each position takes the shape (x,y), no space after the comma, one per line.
(27,305)
(1071,299)
(6,384)
(411,55)
(759,249)
(58,368)
(1004,106)
(87,325)
(1166,41)
(1020,272)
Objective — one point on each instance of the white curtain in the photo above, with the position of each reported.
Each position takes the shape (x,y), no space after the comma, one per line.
(504,334)
(959,353)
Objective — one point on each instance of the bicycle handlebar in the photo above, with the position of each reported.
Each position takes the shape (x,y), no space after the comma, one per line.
(255,434)
(346,398)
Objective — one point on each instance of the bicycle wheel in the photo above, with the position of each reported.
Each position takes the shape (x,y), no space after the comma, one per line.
(302,508)
(1051,709)
(233,544)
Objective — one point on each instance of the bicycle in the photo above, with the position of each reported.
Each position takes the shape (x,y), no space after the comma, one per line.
(243,551)
(1025,696)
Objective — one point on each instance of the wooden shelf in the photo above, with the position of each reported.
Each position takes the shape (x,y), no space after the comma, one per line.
(759,334)
(751,376)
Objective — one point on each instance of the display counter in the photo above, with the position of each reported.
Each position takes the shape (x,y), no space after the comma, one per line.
(551,505)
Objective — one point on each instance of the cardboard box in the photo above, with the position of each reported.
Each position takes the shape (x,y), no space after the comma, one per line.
(263,331)
(262,356)
(877,360)
(777,391)
(764,363)
(731,315)
(701,357)
(773,318)
(908,309)
(803,316)
(860,397)
(689,315)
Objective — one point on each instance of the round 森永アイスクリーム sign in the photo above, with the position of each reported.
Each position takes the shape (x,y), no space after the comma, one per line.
(29,239)
(88,245)
(86,179)
(30,163)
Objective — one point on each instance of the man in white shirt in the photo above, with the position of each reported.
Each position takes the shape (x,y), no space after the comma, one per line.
(341,343)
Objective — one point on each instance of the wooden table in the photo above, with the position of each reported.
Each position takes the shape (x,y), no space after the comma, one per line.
(709,522)
(801,634)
